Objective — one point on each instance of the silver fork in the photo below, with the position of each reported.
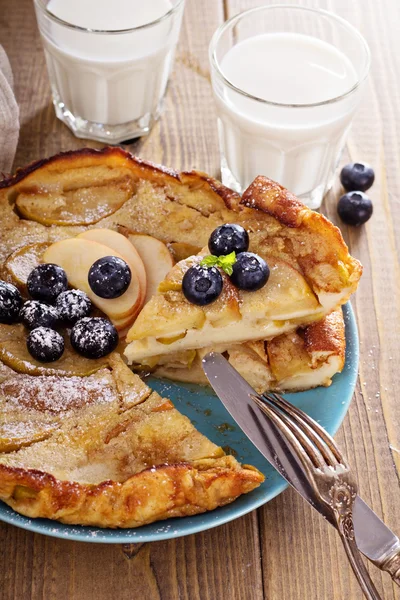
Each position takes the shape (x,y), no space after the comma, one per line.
(333,485)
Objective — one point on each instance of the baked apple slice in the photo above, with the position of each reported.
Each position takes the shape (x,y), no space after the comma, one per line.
(76,256)
(156,258)
(21,262)
(81,206)
(117,241)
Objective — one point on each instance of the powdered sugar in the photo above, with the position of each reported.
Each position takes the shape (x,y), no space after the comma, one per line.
(57,394)
(10,302)
(45,344)
(38,314)
(94,337)
(73,305)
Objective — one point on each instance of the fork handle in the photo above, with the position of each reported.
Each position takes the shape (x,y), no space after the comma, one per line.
(357,563)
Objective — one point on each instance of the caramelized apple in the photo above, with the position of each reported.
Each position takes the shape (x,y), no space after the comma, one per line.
(286,295)
(20,263)
(82,206)
(14,354)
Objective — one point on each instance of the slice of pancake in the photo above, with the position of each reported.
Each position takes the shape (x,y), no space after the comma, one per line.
(105,450)
(312,274)
(169,323)
(292,362)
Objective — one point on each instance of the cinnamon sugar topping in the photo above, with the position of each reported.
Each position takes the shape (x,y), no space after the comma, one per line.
(58,394)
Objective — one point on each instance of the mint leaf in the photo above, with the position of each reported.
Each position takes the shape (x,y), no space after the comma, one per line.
(226,262)
(223,262)
(209,261)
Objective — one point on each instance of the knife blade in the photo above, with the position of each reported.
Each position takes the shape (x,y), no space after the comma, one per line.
(374,539)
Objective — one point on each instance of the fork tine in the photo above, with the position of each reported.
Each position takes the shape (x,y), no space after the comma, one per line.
(311,427)
(309,454)
(312,433)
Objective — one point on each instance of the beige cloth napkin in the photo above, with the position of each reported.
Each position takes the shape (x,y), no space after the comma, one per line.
(9,115)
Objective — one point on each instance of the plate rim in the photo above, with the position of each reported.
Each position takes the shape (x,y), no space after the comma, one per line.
(121,536)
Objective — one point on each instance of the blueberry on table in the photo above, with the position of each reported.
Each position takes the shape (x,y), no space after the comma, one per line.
(357,177)
(73,305)
(10,303)
(109,277)
(46,282)
(202,285)
(38,314)
(94,337)
(45,344)
(250,271)
(355,208)
(228,238)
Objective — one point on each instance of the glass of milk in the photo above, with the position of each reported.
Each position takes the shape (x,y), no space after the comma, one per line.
(109,62)
(287,81)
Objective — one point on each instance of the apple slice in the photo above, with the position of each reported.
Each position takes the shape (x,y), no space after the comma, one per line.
(156,258)
(122,325)
(21,262)
(117,241)
(76,256)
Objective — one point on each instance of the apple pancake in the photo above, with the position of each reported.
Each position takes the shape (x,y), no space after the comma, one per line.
(299,360)
(105,450)
(85,441)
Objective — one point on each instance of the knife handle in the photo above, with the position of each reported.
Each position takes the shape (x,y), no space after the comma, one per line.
(392,565)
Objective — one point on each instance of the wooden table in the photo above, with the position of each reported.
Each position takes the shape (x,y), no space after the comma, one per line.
(283,551)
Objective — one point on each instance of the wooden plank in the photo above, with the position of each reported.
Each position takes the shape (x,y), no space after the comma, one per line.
(202,567)
(315,563)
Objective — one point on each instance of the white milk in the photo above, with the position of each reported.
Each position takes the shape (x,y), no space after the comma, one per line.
(110,78)
(298,147)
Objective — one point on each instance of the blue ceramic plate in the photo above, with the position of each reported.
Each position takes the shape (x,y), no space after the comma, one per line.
(328,406)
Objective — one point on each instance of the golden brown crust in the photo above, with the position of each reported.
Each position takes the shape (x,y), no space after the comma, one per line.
(329,246)
(327,335)
(88,157)
(275,200)
(154,494)
(117,157)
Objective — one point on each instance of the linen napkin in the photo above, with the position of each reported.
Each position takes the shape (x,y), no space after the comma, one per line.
(9,115)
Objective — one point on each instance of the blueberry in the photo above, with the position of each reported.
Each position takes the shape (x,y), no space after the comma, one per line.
(94,337)
(202,285)
(45,344)
(46,282)
(38,314)
(10,303)
(73,305)
(228,238)
(109,277)
(250,271)
(357,177)
(355,208)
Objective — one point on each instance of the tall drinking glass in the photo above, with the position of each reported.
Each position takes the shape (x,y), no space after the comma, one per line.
(109,62)
(287,81)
